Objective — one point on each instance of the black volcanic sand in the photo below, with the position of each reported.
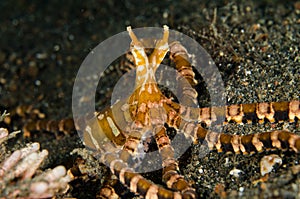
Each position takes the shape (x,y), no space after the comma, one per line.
(254,45)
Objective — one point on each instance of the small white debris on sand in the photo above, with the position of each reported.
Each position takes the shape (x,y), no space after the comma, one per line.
(267,163)
(236,172)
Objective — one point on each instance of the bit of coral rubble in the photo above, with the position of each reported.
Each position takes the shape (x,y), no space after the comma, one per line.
(19,174)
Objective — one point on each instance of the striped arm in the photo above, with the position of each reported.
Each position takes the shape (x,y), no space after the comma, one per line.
(137,183)
(244,113)
(65,126)
(245,144)
(179,56)
(171,177)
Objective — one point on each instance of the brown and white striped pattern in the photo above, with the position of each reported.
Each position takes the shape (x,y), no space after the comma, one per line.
(137,183)
(249,144)
(250,113)
(170,176)
(179,55)
(65,126)
(244,113)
